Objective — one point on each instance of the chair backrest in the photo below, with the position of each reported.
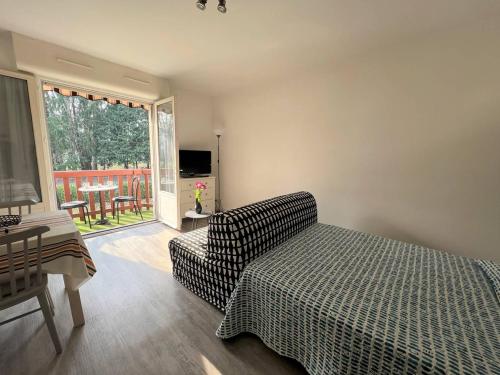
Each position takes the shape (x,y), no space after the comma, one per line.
(17,204)
(136,185)
(58,201)
(240,235)
(22,261)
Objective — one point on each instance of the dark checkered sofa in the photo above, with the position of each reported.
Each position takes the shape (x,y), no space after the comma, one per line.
(210,260)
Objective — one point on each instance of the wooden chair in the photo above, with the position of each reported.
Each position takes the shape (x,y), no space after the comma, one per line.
(136,185)
(76,204)
(29,281)
(19,204)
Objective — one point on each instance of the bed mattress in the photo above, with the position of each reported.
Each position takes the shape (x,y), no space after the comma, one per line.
(346,302)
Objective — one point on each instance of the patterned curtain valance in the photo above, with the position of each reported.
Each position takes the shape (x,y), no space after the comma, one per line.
(91,96)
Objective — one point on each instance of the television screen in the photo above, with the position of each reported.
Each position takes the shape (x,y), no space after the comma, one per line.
(195,163)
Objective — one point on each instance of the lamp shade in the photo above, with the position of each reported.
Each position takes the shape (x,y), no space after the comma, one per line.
(219,132)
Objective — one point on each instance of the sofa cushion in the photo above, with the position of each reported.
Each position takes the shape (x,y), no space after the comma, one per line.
(240,235)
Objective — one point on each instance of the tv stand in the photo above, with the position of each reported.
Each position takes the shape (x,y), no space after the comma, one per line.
(194,175)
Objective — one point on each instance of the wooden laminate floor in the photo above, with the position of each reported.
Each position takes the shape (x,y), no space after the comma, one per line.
(139,320)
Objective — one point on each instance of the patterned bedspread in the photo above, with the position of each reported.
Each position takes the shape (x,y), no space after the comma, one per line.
(346,302)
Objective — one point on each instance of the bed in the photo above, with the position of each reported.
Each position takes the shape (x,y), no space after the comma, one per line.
(346,302)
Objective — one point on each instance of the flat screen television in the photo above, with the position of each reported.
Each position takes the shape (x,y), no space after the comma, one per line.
(195,163)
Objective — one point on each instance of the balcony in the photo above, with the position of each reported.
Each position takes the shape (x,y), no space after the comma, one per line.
(68,183)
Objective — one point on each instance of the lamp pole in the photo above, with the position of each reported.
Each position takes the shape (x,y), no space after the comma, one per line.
(218,132)
(219,205)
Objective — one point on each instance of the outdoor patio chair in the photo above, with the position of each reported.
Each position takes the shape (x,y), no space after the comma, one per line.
(27,281)
(76,204)
(136,185)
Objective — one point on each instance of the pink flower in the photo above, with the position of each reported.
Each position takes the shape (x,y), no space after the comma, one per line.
(200,185)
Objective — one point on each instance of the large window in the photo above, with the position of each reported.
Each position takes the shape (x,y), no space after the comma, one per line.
(19,177)
(102,142)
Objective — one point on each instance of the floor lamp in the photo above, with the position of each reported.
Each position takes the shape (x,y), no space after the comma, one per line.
(218,202)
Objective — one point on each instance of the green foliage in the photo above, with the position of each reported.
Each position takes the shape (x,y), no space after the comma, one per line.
(86,134)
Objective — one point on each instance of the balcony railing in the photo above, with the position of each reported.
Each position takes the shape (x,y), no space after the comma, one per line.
(68,183)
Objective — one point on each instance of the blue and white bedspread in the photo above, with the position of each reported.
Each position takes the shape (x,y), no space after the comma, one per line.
(346,302)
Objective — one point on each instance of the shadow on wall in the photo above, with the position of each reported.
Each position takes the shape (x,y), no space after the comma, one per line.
(456,205)
(377,225)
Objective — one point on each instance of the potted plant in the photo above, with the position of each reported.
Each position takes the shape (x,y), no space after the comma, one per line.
(200,186)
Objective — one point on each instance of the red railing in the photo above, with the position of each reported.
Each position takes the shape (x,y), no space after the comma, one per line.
(76,179)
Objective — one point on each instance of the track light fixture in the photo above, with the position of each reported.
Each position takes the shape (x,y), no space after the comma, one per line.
(222,6)
(202,4)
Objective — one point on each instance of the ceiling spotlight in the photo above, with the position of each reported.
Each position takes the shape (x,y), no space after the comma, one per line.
(201,4)
(222,6)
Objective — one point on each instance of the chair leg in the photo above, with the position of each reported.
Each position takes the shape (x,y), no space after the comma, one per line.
(51,302)
(113,204)
(118,213)
(49,320)
(140,212)
(88,216)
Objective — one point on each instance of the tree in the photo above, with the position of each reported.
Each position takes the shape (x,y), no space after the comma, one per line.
(87,134)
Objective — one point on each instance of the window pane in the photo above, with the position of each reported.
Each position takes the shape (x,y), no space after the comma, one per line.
(19,178)
(166,147)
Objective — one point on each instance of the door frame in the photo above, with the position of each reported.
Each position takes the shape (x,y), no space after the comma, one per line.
(155,165)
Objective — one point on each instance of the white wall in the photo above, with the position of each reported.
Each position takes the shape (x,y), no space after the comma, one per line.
(7,57)
(402,142)
(41,58)
(194,117)
(194,114)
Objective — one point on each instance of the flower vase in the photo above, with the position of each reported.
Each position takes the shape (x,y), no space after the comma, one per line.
(198,208)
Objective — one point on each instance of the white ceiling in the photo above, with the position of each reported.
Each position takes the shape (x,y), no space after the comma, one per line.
(255,41)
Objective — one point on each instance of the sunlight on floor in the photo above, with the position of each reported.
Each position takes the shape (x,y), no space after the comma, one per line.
(125,219)
(147,244)
(210,369)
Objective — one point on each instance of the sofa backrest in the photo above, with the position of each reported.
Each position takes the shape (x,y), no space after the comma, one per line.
(240,235)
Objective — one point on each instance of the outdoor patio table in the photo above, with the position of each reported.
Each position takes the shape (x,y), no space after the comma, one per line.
(63,252)
(101,189)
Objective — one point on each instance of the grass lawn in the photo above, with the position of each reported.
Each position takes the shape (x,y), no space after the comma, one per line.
(125,219)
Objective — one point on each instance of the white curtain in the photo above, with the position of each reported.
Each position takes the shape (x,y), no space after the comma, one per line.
(19,178)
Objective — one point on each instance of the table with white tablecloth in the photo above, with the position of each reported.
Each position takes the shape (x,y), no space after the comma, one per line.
(101,189)
(63,252)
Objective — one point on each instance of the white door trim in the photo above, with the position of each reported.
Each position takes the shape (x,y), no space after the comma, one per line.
(174,222)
